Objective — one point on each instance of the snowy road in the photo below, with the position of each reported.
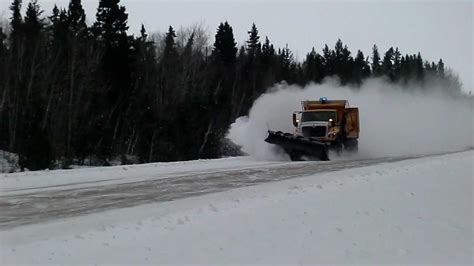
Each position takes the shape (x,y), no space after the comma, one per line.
(30,205)
(385,211)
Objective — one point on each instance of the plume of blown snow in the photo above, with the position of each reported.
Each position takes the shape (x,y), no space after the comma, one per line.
(395,120)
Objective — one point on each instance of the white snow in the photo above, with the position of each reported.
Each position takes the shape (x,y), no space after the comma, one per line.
(8,162)
(395,119)
(84,177)
(414,211)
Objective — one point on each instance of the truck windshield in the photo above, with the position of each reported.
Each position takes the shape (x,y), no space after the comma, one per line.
(319,116)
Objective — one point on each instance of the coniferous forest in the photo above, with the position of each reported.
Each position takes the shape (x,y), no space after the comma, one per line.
(73,93)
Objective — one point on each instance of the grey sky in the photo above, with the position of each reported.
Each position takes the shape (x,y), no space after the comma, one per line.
(438,29)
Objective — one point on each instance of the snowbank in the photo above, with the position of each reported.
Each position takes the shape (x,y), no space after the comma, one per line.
(8,162)
(95,176)
(414,211)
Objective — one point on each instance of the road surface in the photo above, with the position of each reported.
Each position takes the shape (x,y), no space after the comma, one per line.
(28,206)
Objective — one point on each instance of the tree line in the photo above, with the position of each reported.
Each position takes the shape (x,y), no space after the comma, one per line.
(72,93)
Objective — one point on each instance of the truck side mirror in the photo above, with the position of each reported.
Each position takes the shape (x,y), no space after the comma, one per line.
(295,121)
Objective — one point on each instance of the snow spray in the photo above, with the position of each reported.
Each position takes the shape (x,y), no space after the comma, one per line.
(396,120)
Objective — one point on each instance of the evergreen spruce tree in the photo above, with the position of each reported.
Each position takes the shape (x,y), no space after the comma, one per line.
(143,34)
(405,68)
(338,60)
(241,54)
(169,68)
(440,69)
(55,15)
(170,52)
(320,72)
(268,65)
(360,70)
(268,52)
(309,66)
(253,43)
(73,42)
(430,68)
(33,22)
(76,17)
(254,67)
(287,64)
(169,72)
(434,68)
(420,73)
(15,79)
(16,20)
(313,67)
(387,64)
(34,149)
(225,47)
(344,62)
(111,25)
(110,30)
(397,56)
(376,69)
(329,60)
(59,28)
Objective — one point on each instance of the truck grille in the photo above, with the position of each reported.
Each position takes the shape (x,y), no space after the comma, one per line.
(317,131)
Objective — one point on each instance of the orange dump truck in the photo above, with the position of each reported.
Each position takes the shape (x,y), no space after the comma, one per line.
(321,125)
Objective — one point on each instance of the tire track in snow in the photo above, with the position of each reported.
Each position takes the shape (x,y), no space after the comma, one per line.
(44,205)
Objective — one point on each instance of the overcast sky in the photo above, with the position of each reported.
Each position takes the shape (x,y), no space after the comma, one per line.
(437,29)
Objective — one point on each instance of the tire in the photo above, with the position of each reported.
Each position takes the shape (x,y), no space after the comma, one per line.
(324,156)
(295,157)
(351,145)
(337,146)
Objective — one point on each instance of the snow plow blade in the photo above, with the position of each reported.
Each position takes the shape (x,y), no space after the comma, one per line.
(297,146)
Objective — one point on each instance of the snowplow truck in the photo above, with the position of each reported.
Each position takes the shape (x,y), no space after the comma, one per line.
(320,126)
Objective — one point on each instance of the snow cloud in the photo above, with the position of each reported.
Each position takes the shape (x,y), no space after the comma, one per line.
(395,120)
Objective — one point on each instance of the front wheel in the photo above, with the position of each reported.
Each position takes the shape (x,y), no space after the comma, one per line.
(351,145)
(337,146)
(295,157)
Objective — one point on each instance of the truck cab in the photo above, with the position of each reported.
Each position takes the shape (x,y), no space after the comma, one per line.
(316,124)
